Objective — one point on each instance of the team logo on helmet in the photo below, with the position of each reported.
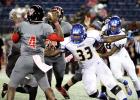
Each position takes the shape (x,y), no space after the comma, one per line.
(78,33)
(35,14)
(114,25)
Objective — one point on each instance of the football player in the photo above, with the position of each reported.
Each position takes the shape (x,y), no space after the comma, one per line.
(80,45)
(113,28)
(100,48)
(29,84)
(56,59)
(32,35)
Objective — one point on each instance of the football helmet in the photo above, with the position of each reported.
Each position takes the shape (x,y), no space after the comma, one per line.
(114,25)
(59,10)
(78,33)
(35,13)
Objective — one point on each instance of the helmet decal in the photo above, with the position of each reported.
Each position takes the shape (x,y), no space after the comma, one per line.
(114,25)
(78,33)
(35,14)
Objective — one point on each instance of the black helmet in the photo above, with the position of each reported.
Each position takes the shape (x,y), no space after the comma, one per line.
(59,10)
(35,14)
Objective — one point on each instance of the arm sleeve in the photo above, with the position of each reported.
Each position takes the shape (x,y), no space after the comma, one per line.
(55,37)
(64,44)
(47,29)
(104,27)
(121,43)
(94,34)
(63,47)
(15,37)
(67,28)
(98,36)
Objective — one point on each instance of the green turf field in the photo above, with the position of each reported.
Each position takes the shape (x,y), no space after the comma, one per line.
(76,92)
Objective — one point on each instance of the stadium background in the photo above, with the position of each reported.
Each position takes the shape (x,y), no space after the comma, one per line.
(74,10)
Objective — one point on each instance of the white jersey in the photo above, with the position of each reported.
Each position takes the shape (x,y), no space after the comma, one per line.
(119,44)
(84,51)
(104,27)
(93,65)
(121,61)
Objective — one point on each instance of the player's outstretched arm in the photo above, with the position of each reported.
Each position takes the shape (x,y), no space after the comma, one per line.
(15,37)
(109,39)
(59,29)
(137,38)
(55,20)
(109,53)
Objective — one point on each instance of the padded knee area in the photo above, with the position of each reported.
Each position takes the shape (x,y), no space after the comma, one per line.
(116,89)
(94,95)
(77,77)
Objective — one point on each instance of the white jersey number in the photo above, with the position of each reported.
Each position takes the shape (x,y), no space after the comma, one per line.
(85,54)
(108,45)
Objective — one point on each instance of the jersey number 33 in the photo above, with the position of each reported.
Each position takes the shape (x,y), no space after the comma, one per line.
(84,54)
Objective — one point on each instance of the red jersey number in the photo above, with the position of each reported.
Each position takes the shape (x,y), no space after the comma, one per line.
(32,42)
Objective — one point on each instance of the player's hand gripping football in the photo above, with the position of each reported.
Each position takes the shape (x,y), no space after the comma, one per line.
(53,16)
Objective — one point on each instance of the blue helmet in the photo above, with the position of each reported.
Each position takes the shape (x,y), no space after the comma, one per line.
(78,33)
(114,25)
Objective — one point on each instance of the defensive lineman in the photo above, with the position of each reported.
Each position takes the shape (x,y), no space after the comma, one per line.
(113,29)
(81,46)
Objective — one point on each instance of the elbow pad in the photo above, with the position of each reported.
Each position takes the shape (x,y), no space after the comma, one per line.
(15,37)
(101,40)
(55,37)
